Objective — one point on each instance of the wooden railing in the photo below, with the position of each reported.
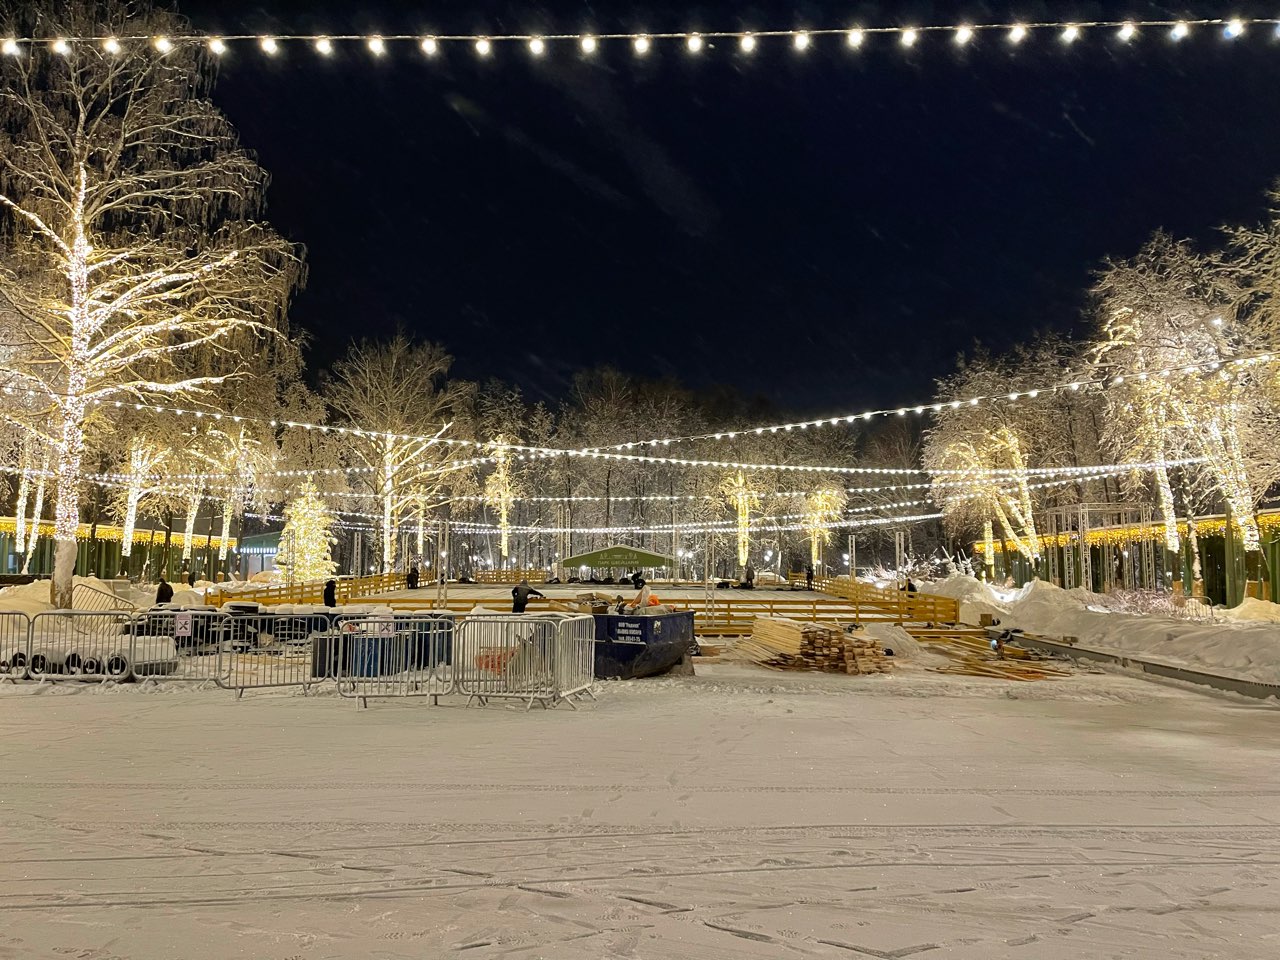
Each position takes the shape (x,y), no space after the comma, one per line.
(900,606)
(349,590)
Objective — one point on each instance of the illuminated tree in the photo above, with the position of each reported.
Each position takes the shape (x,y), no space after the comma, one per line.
(397,397)
(822,508)
(306,544)
(740,493)
(501,490)
(126,207)
(146,457)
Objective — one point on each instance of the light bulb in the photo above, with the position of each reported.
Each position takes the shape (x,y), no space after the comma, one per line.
(163,44)
(217,47)
(111,45)
(269,46)
(909,38)
(964,35)
(537,46)
(1179,31)
(801,41)
(589,44)
(1127,32)
(694,43)
(641,45)
(1017,34)
(483,47)
(324,46)
(855,37)
(376,46)
(61,47)
(430,46)
(1234,29)
(1071,34)
(10,47)
(747,43)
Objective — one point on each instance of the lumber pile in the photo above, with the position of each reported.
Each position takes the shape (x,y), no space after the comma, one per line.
(792,645)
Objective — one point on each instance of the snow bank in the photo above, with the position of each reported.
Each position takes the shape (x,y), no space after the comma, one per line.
(32,598)
(1248,644)
(893,637)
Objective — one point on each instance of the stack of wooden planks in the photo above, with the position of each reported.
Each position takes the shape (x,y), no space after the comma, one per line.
(792,645)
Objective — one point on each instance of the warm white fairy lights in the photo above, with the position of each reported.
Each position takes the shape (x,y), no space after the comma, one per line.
(799,39)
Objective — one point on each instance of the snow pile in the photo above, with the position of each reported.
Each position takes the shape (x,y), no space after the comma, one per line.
(32,598)
(893,637)
(1253,610)
(1244,647)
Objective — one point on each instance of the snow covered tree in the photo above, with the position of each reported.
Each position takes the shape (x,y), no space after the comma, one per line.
(306,544)
(501,489)
(822,508)
(740,493)
(127,239)
(396,396)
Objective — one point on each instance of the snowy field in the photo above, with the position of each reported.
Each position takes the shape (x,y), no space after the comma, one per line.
(736,814)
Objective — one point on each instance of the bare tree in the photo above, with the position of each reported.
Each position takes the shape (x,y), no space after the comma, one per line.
(126,211)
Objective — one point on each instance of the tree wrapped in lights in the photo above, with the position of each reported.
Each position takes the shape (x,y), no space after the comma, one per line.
(145,458)
(821,509)
(501,491)
(126,206)
(306,544)
(396,396)
(741,495)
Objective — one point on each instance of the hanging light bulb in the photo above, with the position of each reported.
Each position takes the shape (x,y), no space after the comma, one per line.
(641,45)
(694,43)
(377,46)
(324,46)
(269,46)
(1017,33)
(217,47)
(801,41)
(1071,34)
(537,46)
(855,38)
(588,44)
(111,45)
(163,44)
(10,47)
(909,38)
(1127,32)
(964,35)
(1234,28)
(1179,31)
(484,47)
(747,43)
(60,47)
(430,46)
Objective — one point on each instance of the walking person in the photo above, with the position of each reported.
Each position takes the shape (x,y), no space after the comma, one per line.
(520,595)
(331,593)
(808,576)
(164,593)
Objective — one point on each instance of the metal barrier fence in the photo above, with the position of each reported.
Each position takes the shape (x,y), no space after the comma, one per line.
(393,655)
(533,659)
(15,639)
(544,658)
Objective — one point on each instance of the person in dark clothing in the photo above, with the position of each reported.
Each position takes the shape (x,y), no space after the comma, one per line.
(164,593)
(331,593)
(520,596)
(411,578)
(191,579)
(749,577)
(637,580)
(808,576)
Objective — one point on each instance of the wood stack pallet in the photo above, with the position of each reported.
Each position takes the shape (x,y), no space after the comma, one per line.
(791,645)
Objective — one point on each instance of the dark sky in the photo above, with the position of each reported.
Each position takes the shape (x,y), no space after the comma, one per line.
(829,230)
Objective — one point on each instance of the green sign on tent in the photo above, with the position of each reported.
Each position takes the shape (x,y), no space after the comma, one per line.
(618,556)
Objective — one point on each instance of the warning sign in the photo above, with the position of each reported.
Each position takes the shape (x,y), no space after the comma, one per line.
(182,625)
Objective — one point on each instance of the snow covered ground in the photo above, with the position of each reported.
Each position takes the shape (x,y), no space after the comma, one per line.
(736,814)
(1244,642)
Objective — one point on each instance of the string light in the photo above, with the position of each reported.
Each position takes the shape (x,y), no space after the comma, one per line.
(964,35)
(801,41)
(324,46)
(377,46)
(1127,32)
(1017,33)
(60,47)
(908,38)
(111,45)
(1070,34)
(217,47)
(747,43)
(430,46)
(537,46)
(855,37)
(1235,28)
(10,47)
(1179,31)
(589,44)
(269,46)
(641,45)
(163,44)
(694,43)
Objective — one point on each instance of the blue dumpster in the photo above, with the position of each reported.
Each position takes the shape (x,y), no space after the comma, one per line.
(630,647)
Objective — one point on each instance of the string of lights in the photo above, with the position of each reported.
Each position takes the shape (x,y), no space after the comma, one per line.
(529,452)
(800,40)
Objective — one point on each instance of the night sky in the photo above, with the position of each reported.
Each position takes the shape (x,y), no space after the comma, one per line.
(827,230)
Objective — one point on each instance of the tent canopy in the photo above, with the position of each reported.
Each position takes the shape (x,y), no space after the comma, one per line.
(618,556)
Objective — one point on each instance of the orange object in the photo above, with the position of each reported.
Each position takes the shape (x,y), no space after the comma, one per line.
(494,660)
(654,601)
